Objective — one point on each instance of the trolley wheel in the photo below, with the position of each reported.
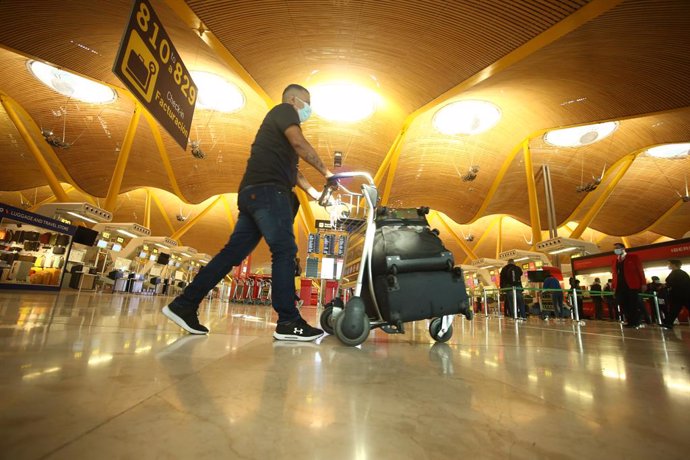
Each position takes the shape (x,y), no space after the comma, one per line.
(435,329)
(352,342)
(327,320)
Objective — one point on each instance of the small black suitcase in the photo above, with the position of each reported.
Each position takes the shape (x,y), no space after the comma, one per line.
(417,295)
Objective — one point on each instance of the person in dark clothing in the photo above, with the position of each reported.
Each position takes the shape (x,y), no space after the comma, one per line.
(657,287)
(628,282)
(597,298)
(678,285)
(267,205)
(611,301)
(550,282)
(511,276)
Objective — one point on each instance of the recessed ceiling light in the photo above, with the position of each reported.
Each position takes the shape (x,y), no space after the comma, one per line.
(343,102)
(216,93)
(71,85)
(466,117)
(580,135)
(670,151)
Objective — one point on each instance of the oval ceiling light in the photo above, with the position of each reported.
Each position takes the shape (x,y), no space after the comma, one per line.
(466,117)
(580,135)
(670,151)
(343,102)
(216,93)
(72,85)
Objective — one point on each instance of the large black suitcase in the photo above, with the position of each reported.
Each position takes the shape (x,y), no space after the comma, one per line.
(418,295)
(404,243)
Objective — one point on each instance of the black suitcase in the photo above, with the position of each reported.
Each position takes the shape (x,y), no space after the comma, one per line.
(404,243)
(417,295)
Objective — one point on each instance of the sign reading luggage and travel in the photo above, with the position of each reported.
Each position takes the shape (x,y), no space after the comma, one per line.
(149,65)
(20,215)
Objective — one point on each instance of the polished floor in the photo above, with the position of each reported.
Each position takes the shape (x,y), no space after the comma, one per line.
(94,376)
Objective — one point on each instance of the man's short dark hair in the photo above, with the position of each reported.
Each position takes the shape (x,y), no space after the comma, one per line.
(676,262)
(618,245)
(294,87)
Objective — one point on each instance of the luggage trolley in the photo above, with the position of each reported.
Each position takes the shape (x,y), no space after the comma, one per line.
(355,311)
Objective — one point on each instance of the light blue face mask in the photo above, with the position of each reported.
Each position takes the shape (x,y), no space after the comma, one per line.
(305,112)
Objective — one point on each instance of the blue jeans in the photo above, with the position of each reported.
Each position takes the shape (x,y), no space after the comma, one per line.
(520,303)
(265,210)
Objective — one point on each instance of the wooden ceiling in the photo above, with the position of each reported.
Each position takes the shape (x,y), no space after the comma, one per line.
(544,63)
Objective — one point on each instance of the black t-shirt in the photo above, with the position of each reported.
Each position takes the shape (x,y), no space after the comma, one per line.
(272,159)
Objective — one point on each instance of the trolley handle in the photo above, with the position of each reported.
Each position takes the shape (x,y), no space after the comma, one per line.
(333,184)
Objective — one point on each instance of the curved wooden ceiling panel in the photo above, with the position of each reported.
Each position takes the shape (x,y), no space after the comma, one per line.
(628,62)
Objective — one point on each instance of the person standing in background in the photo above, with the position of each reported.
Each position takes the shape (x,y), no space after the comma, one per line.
(550,282)
(657,287)
(595,290)
(678,285)
(611,301)
(628,282)
(511,276)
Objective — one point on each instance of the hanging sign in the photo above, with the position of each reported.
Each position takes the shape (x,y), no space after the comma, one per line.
(150,67)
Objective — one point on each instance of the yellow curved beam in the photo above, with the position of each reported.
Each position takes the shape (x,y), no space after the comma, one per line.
(190,223)
(47,150)
(535,221)
(485,235)
(593,211)
(165,158)
(461,242)
(122,158)
(572,22)
(663,217)
(228,213)
(499,238)
(43,165)
(392,168)
(147,209)
(161,209)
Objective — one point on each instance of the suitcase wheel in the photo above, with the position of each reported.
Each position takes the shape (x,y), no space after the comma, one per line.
(435,330)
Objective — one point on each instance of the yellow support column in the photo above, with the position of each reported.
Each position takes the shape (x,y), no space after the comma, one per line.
(458,240)
(534,218)
(387,160)
(603,196)
(485,235)
(228,212)
(161,209)
(626,241)
(48,173)
(121,165)
(165,158)
(147,209)
(189,224)
(499,237)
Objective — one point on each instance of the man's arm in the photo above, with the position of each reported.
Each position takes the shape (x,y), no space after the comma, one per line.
(305,150)
(304,184)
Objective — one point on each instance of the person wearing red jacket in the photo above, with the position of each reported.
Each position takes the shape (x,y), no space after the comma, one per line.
(628,282)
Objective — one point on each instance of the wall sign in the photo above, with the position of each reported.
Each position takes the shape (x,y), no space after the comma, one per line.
(150,67)
(20,215)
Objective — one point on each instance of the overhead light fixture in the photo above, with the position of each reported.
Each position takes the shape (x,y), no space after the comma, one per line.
(79,216)
(559,251)
(466,117)
(185,254)
(162,246)
(579,136)
(126,233)
(71,85)
(521,259)
(669,151)
(343,102)
(216,93)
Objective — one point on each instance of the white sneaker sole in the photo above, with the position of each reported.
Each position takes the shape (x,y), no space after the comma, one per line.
(180,322)
(295,338)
